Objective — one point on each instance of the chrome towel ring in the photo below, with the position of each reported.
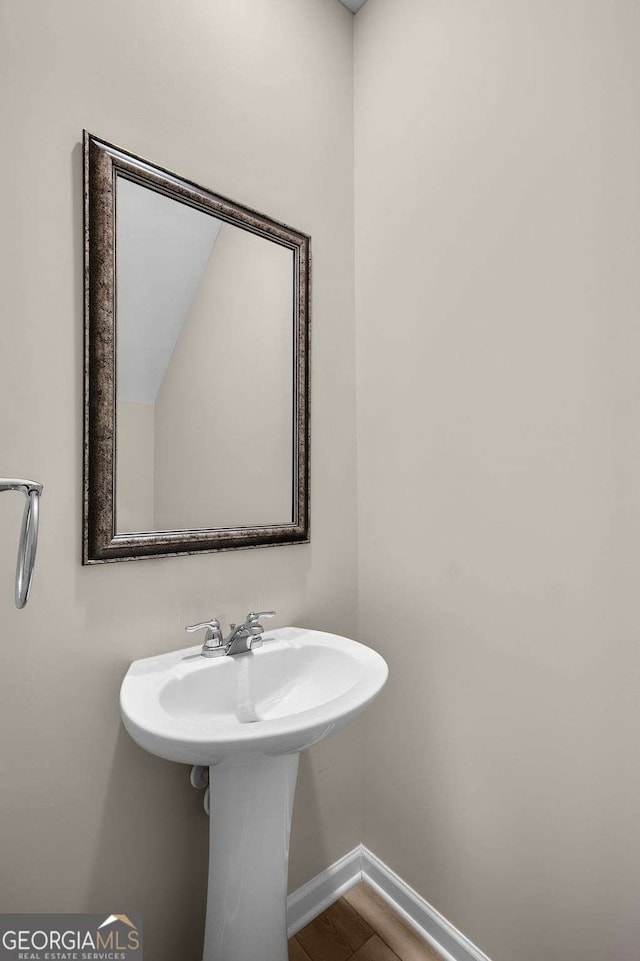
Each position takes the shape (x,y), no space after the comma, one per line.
(28,535)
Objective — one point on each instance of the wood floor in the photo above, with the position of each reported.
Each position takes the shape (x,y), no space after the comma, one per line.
(359,927)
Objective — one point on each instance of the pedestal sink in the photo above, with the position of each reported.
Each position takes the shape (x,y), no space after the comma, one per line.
(247,717)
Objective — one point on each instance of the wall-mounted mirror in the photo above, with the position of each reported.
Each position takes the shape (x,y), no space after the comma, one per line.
(196,367)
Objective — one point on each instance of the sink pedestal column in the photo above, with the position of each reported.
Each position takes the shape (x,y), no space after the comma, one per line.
(250,803)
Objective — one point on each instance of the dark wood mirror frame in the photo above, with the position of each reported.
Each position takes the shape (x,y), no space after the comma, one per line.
(102,163)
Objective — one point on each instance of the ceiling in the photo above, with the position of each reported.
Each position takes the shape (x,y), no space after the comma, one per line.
(163,250)
(353,5)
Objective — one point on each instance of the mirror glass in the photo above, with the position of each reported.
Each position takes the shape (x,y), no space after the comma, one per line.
(204,369)
(196,367)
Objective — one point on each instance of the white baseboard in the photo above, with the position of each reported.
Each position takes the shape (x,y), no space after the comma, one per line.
(312,898)
(361,865)
(422,916)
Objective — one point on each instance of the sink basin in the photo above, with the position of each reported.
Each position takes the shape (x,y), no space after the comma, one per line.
(296,689)
(246,718)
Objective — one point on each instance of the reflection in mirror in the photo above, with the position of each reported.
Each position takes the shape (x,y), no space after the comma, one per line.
(204,369)
(196,367)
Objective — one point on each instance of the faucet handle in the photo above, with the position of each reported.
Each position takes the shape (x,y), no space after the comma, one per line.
(213,639)
(254,628)
(253,618)
(212,625)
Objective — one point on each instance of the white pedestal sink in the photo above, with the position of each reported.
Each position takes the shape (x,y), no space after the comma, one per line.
(247,717)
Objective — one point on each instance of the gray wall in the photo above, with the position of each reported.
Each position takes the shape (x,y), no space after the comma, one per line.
(252,98)
(498,287)
(227,393)
(135,443)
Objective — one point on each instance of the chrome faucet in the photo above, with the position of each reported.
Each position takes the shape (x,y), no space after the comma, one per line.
(241,639)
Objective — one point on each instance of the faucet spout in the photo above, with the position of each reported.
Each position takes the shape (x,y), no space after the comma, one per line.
(244,638)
